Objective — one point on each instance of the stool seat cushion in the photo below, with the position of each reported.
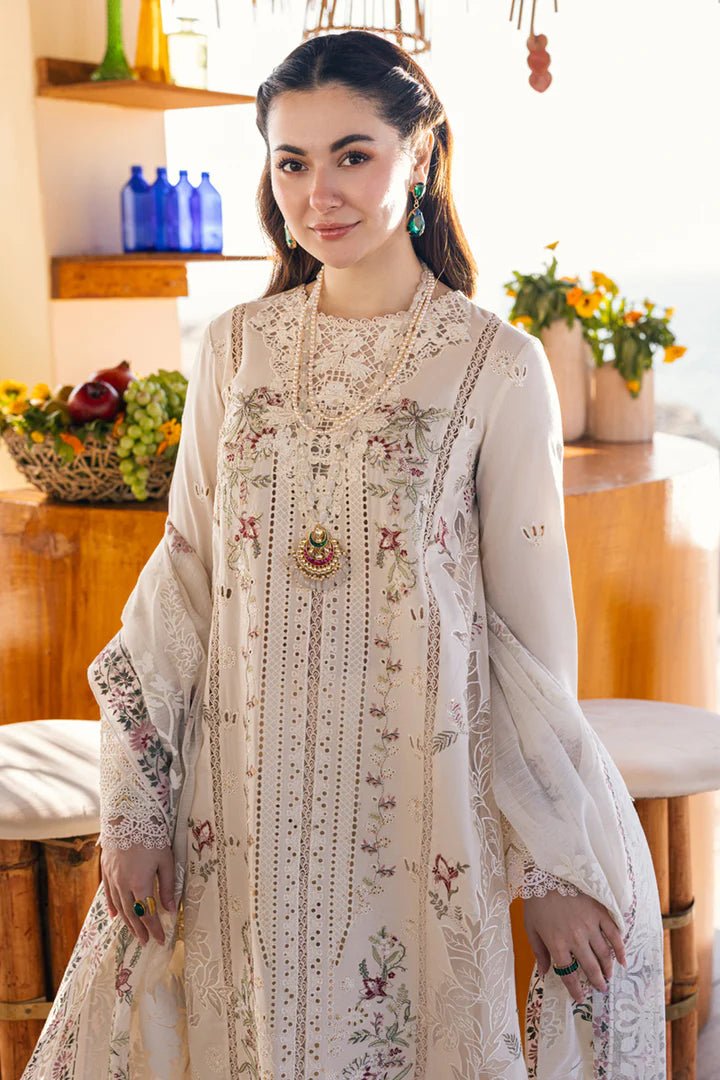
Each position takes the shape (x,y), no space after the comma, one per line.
(49,779)
(661,749)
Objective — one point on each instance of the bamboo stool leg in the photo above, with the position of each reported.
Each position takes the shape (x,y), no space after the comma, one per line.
(73,875)
(653,814)
(682,933)
(22,970)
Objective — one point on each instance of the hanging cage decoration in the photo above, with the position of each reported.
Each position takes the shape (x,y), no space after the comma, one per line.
(403,21)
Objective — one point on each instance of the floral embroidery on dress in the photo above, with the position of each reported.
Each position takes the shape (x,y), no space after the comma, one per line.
(534,533)
(389,1023)
(503,362)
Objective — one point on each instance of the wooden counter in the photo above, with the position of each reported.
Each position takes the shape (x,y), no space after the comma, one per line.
(642,519)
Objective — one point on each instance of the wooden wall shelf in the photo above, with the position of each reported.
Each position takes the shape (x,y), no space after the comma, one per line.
(70,79)
(127,277)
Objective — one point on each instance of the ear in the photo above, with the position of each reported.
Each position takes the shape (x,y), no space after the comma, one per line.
(423,152)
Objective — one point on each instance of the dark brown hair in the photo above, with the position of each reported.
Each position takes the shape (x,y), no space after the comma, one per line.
(385,74)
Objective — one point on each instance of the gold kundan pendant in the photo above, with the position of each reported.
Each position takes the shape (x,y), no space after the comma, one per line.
(318,555)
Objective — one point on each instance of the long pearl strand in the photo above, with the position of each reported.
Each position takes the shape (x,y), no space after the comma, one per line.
(312,304)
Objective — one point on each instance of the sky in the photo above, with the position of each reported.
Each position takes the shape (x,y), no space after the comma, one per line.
(618,160)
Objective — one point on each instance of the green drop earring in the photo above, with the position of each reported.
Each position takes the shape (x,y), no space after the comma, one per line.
(416,221)
(289,238)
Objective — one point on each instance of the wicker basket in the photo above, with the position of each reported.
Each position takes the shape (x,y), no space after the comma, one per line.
(93,476)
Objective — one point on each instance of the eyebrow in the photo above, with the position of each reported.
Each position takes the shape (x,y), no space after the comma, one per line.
(337,145)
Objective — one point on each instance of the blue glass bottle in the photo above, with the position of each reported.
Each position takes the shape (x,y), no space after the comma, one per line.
(184,191)
(207,207)
(138,213)
(166,212)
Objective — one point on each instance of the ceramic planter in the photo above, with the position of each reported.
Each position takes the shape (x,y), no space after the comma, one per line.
(614,414)
(567,352)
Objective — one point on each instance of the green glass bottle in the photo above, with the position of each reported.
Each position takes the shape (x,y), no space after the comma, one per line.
(115,64)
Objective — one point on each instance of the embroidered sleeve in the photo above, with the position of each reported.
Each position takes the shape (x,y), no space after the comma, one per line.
(519,488)
(526,580)
(524,878)
(149,679)
(127,815)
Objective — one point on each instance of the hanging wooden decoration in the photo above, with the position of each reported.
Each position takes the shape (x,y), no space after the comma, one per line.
(402,21)
(538,56)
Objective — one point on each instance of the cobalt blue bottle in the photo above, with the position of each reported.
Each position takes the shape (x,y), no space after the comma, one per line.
(166,212)
(184,191)
(207,209)
(138,213)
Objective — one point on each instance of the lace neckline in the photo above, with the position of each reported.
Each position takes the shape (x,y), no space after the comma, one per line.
(371,320)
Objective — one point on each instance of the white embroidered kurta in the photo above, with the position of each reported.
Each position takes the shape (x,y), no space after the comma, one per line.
(338,768)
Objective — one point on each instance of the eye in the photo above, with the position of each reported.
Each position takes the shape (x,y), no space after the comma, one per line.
(293,161)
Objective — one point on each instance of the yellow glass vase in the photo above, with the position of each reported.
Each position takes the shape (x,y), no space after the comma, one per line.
(151,53)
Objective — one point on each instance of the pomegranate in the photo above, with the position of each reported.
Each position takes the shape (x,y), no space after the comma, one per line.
(94,400)
(118,377)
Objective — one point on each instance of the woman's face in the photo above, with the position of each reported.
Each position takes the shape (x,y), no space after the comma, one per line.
(365,182)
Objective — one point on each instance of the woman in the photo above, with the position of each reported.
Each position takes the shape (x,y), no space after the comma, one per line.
(340,725)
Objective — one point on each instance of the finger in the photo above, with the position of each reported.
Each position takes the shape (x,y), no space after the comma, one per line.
(540,950)
(154,927)
(589,963)
(612,933)
(166,880)
(562,958)
(127,900)
(112,910)
(599,944)
(152,922)
(115,896)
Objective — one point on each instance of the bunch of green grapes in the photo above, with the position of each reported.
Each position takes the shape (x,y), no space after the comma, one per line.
(149,403)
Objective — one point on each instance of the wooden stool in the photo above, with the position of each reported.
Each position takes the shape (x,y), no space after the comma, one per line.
(49,868)
(665,753)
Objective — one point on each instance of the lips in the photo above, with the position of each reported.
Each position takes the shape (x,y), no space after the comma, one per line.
(329,230)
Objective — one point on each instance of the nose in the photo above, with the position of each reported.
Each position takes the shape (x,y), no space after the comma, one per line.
(324,194)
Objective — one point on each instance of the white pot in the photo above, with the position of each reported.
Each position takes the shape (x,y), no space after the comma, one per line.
(566,350)
(614,414)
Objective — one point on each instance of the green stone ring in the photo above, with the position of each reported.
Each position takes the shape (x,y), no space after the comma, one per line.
(139,908)
(566,970)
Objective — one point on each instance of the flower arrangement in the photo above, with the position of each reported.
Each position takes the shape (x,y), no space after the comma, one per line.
(123,428)
(610,323)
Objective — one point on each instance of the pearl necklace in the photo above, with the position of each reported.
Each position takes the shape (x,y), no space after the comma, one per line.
(317,554)
(426,289)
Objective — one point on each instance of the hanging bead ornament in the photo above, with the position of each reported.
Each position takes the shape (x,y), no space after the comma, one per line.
(538,56)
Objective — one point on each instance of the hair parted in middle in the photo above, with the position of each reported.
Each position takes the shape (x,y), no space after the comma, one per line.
(404,98)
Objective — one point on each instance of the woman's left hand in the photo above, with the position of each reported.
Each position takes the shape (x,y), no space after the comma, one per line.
(559,925)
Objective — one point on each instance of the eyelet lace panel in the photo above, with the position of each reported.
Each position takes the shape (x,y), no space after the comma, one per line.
(525,879)
(358,353)
(127,815)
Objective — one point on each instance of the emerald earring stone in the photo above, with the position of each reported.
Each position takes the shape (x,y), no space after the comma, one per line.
(419,190)
(416,225)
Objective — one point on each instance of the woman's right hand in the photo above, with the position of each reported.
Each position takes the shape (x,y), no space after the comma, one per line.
(128,874)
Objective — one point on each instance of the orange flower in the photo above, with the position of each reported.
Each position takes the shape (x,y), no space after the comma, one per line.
(72,440)
(631,317)
(551,247)
(574,295)
(118,421)
(18,407)
(669,312)
(674,352)
(523,320)
(588,304)
(37,436)
(171,430)
(511,292)
(602,281)
(633,385)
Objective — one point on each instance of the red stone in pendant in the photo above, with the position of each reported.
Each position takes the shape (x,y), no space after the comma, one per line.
(318,555)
